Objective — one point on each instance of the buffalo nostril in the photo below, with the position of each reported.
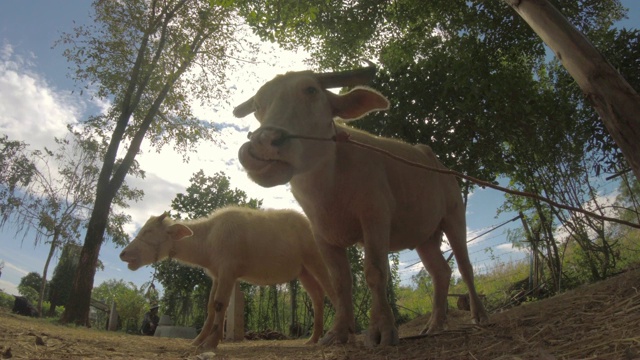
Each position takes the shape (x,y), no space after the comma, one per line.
(269,136)
(279,141)
(122,254)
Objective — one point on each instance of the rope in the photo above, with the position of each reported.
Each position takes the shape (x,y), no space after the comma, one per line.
(475,237)
(151,285)
(492,229)
(344,137)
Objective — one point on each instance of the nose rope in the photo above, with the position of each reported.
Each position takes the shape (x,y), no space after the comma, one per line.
(156,247)
(340,137)
(345,137)
(155,260)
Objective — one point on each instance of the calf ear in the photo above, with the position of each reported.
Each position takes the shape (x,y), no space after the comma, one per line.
(357,103)
(179,231)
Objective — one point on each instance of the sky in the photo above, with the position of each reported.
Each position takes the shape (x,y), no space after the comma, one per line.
(37,100)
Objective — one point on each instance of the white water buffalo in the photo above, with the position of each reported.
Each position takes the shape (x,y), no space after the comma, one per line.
(262,247)
(355,195)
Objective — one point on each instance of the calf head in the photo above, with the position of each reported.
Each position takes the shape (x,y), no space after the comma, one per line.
(154,242)
(297,105)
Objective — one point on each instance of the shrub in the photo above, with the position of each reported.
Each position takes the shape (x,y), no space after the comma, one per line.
(46,305)
(6,300)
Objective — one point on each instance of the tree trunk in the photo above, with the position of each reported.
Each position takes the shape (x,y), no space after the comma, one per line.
(52,309)
(613,98)
(274,308)
(77,308)
(293,328)
(43,286)
(111,177)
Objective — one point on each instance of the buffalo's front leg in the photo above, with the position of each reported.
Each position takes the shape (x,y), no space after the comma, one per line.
(340,271)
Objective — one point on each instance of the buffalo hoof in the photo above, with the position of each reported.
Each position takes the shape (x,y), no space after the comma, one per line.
(333,337)
(381,337)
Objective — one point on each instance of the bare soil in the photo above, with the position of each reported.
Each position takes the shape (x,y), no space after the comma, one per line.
(598,321)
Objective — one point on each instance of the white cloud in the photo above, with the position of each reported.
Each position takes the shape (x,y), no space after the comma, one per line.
(14,268)
(603,204)
(510,247)
(11,275)
(8,287)
(32,110)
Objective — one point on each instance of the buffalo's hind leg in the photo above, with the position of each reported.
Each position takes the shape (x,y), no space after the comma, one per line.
(457,236)
(440,273)
(208,324)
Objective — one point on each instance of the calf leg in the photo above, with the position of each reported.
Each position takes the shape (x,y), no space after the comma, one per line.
(220,304)
(340,271)
(313,288)
(208,324)
(440,273)
(318,269)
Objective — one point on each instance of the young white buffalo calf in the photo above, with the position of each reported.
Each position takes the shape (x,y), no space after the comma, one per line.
(262,247)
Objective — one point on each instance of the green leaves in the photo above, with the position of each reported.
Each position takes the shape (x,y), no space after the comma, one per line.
(148,60)
(129,299)
(16,171)
(207,193)
(136,54)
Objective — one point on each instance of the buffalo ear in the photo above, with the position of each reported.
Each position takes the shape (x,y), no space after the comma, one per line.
(357,103)
(348,78)
(244,109)
(179,231)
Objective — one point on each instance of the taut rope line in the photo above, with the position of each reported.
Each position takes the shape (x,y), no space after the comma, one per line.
(344,137)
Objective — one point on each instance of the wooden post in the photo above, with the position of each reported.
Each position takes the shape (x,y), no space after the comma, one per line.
(235,316)
(113,318)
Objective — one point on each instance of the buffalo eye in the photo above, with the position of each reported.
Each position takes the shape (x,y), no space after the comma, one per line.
(311,90)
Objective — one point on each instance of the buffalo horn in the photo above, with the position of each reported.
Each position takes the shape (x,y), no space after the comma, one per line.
(361,76)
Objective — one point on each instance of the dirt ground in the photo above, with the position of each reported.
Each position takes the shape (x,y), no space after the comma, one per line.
(599,321)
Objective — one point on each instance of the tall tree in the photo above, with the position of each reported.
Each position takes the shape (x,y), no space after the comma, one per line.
(566,173)
(441,95)
(130,301)
(617,103)
(16,171)
(149,59)
(29,286)
(628,199)
(622,48)
(62,279)
(208,193)
(56,203)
